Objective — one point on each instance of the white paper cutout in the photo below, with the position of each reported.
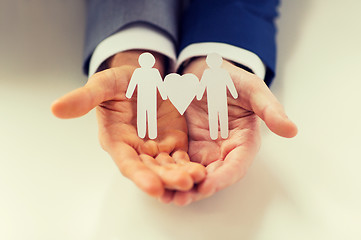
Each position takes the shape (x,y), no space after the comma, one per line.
(147,79)
(216,80)
(181,90)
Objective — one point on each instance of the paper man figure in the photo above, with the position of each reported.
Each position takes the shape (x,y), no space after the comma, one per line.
(216,80)
(148,79)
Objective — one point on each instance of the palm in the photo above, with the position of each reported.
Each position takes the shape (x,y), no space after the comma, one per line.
(243,130)
(156,166)
(227,160)
(118,118)
(243,125)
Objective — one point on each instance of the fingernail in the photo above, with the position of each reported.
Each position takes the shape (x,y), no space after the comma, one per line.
(187,202)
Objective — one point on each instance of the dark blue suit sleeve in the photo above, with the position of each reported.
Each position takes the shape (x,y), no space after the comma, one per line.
(247,24)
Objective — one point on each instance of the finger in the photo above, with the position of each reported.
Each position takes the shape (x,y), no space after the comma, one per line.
(131,167)
(183,198)
(150,148)
(209,187)
(173,140)
(173,177)
(101,87)
(181,157)
(186,198)
(221,174)
(167,197)
(164,159)
(195,170)
(259,99)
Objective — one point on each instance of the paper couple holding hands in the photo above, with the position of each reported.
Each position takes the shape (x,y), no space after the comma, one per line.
(181,91)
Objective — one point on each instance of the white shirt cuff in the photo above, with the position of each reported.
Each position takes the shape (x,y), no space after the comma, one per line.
(229,52)
(136,36)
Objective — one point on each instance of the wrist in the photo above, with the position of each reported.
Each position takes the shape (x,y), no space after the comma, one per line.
(195,63)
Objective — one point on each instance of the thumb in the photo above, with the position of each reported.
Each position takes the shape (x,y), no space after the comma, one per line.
(101,87)
(257,97)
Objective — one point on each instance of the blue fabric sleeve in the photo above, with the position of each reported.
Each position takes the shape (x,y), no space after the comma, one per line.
(249,24)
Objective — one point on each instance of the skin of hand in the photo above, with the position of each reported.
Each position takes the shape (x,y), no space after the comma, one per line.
(159,166)
(227,160)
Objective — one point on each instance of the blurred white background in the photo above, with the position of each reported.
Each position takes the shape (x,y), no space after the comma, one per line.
(57,183)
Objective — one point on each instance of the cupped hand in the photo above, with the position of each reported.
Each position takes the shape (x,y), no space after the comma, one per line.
(227,160)
(156,166)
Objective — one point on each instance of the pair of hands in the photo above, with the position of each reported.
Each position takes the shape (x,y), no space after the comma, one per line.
(183,164)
